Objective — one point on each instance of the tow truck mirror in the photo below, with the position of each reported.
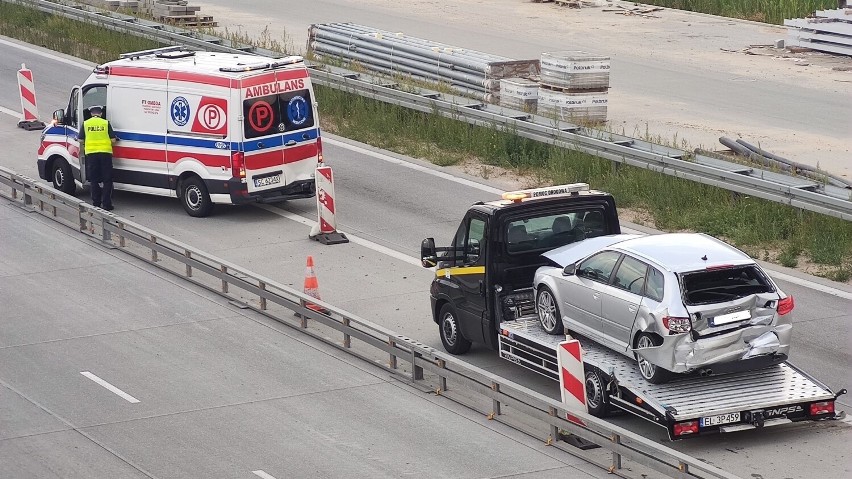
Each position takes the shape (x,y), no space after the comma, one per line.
(59,116)
(428,255)
(473,251)
(570,270)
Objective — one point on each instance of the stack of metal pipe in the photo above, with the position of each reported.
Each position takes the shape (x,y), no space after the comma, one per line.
(467,71)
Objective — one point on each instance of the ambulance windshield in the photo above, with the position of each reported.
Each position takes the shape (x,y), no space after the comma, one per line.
(276,114)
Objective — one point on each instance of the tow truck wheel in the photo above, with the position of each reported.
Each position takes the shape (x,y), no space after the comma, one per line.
(548,312)
(194,197)
(63,179)
(651,372)
(451,335)
(597,397)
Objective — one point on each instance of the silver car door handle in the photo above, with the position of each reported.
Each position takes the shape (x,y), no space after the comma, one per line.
(632,308)
(290,143)
(596,296)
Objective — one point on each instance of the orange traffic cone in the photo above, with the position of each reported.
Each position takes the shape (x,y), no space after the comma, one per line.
(312,287)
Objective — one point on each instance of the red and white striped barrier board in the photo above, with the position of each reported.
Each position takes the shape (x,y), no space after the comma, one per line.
(26,86)
(326,230)
(572,378)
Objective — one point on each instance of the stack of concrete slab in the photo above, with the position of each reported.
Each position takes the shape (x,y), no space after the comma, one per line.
(114,5)
(177,12)
(574,86)
(828,31)
(519,94)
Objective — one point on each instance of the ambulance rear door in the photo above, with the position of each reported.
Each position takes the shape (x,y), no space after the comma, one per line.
(278,128)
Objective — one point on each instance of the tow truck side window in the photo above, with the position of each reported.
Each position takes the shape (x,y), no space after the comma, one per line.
(469,242)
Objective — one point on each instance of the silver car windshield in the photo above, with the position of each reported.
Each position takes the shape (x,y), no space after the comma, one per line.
(724,284)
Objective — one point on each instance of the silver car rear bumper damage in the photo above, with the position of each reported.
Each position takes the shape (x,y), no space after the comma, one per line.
(746,345)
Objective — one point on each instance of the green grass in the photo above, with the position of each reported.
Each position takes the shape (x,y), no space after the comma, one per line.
(767,11)
(766,230)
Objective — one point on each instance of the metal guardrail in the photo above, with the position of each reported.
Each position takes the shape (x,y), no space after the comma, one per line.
(525,410)
(773,186)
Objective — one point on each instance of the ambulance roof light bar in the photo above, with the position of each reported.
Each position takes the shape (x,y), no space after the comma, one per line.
(247,67)
(548,191)
(153,51)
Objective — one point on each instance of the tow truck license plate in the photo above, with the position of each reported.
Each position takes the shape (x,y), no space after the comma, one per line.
(720,419)
(267,180)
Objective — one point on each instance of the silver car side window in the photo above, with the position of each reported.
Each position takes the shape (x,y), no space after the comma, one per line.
(655,284)
(630,275)
(599,267)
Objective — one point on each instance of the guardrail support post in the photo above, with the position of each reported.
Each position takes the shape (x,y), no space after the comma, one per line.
(554,431)
(53,204)
(683,467)
(392,363)
(120,234)
(28,198)
(188,255)
(616,457)
(40,196)
(262,287)
(106,236)
(153,251)
(347,339)
(81,215)
(416,371)
(224,270)
(495,403)
(442,380)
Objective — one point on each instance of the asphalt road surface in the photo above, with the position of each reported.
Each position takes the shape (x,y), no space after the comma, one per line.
(388,204)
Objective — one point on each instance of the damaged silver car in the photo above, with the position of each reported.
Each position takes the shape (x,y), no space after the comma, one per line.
(678,303)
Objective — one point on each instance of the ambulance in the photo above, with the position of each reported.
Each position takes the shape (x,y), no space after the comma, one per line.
(206,128)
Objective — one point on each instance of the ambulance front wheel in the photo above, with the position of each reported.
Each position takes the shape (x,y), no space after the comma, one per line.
(62,178)
(194,197)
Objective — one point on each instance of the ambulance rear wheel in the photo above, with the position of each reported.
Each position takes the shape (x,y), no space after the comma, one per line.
(63,179)
(451,335)
(194,197)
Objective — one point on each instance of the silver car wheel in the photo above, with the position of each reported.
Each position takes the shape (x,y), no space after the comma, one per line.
(645,367)
(547,310)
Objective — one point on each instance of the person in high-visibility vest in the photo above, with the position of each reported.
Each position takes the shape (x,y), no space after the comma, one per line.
(96,140)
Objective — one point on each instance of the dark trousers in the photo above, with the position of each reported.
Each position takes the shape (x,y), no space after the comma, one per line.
(99,168)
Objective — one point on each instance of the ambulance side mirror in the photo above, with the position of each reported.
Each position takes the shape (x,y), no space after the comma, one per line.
(428,254)
(59,116)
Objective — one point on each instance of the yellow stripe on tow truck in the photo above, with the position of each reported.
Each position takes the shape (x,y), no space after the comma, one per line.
(458,270)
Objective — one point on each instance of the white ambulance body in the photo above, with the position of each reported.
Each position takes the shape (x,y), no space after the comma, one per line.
(203,127)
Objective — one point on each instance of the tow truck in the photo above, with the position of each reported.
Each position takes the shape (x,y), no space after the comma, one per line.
(483,293)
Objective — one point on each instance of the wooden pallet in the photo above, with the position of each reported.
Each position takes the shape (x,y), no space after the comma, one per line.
(563,89)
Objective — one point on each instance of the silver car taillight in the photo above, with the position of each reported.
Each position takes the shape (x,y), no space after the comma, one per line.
(677,325)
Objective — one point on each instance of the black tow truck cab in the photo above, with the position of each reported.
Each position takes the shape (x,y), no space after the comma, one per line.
(485,276)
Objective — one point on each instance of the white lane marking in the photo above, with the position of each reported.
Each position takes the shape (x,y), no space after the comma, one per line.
(403,163)
(46,55)
(9,112)
(352,238)
(110,387)
(260,473)
(810,284)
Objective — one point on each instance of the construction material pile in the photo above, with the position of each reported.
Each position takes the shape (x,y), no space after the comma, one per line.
(828,31)
(574,86)
(172,12)
(468,72)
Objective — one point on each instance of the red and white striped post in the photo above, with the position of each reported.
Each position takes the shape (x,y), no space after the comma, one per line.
(572,378)
(26,86)
(325,230)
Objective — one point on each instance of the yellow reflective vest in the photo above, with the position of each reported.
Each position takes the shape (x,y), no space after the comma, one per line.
(96,138)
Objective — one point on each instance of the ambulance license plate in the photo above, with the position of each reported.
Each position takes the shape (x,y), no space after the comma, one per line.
(720,419)
(267,180)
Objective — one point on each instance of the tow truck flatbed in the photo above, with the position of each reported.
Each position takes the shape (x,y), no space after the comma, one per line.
(765,397)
